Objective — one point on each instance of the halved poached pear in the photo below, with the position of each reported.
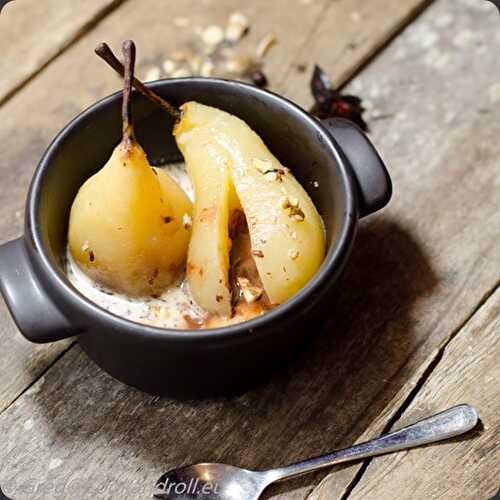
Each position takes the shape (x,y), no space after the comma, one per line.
(286,231)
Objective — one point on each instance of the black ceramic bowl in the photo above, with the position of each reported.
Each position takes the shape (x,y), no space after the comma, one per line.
(333,160)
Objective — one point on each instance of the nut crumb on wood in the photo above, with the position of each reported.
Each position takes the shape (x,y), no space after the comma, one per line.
(212,35)
(265,45)
(237,27)
(262,165)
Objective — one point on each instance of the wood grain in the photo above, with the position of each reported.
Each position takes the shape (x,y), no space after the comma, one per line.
(445,142)
(71,83)
(349,34)
(465,468)
(77,78)
(417,272)
(33,32)
(22,362)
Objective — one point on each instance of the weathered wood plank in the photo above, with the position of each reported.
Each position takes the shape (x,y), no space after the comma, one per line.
(445,139)
(465,468)
(349,34)
(22,362)
(32,33)
(401,296)
(80,79)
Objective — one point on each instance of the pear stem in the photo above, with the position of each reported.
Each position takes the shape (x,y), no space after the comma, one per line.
(128,49)
(105,53)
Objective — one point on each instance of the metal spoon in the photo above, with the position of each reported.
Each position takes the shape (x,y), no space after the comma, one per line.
(226,482)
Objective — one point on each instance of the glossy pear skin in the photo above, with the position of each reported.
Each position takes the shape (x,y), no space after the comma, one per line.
(286,231)
(126,226)
(207,267)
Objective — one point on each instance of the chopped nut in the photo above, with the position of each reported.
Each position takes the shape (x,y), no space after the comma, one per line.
(250,293)
(294,235)
(284,202)
(265,44)
(238,65)
(263,166)
(152,74)
(168,66)
(187,221)
(218,298)
(243,282)
(167,219)
(236,27)
(91,256)
(258,253)
(85,246)
(272,176)
(291,203)
(212,35)
(207,68)
(298,216)
(293,254)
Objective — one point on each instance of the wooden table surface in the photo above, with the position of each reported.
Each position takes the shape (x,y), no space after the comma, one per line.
(414,326)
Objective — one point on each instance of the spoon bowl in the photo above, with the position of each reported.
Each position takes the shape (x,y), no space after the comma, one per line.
(212,481)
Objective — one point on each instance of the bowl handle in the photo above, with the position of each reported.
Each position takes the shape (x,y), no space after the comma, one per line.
(35,315)
(372,178)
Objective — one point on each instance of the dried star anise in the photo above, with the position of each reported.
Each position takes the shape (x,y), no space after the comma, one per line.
(330,103)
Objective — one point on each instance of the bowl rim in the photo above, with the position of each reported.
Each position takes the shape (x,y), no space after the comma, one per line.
(328,271)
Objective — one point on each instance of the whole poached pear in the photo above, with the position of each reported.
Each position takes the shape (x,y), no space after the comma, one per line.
(128,225)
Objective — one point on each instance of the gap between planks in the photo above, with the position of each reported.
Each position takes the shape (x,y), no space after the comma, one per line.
(433,362)
(79,33)
(345,77)
(36,379)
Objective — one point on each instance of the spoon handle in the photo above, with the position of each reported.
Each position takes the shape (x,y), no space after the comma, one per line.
(443,425)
